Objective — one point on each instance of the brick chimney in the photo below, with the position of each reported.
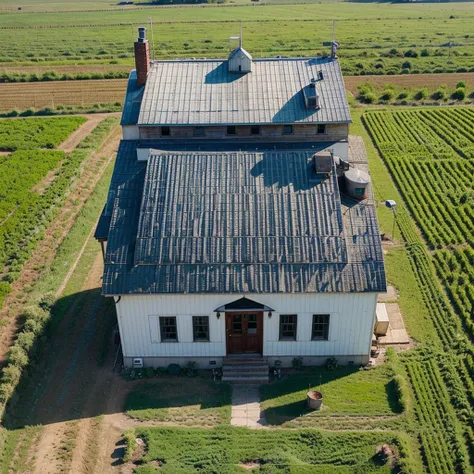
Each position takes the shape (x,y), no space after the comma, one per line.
(142,57)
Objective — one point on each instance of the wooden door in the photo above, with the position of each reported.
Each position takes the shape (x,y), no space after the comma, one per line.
(244,332)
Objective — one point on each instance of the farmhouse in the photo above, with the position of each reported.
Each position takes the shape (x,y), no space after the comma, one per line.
(237,221)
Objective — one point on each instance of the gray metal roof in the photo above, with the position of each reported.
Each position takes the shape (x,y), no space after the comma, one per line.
(236,222)
(133,100)
(204,92)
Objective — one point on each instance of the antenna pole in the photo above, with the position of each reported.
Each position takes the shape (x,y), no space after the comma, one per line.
(333,30)
(240,40)
(152,38)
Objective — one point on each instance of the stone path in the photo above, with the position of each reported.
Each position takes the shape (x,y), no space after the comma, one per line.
(246,406)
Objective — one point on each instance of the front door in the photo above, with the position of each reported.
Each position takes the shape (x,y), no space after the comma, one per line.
(244,332)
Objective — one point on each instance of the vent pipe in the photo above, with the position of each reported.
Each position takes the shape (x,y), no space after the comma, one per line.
(142,57)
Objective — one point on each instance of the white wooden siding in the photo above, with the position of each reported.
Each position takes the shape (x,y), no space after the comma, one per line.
(352,318)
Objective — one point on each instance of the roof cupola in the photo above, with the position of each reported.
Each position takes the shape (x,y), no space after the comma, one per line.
(240,60)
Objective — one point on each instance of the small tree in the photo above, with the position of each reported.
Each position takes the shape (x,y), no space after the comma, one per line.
(459,94)
(461,84)
(421,94)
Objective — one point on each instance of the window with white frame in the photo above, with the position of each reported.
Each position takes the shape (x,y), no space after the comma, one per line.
(320,327)
(288,323)
(168,329)
(201,328)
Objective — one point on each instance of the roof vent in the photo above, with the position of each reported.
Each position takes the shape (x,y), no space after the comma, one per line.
(311,95)
(323,163)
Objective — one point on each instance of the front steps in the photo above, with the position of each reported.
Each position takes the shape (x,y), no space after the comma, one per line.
(245,370)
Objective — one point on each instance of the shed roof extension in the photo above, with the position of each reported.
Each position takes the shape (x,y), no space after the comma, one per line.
(204,92)
(237,222)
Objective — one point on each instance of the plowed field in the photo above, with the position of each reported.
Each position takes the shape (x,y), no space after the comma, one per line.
(21,96)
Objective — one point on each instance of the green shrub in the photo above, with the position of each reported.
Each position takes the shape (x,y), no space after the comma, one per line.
(439,94)
(461,84)
(459,94)
(421,94)
(388,94)
(33,326)
(370,98)
(18,356)
(410,54)
(26,340)
(402,95)
(5,288)
(6,391)
(11,375)
(47,301)
(10,277)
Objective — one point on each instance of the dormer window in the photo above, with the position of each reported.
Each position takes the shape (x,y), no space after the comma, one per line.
(231,130)
(165,131)
(287,129)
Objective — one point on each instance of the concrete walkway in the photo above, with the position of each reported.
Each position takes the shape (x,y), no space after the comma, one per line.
(246,406)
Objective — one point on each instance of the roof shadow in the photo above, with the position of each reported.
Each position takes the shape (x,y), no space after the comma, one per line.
(276,169)
(294,110)
(221,75)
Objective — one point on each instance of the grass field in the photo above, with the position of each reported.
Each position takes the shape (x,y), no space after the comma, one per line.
(349,391)
(181,401)
(375,38)
(233,450)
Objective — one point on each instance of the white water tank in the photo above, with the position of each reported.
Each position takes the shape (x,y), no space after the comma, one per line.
(357,183)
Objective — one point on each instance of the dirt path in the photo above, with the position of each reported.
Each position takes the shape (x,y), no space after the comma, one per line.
(85,129)
(54,235)
(75,390)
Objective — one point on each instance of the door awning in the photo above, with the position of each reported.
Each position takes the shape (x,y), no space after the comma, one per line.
(243,304)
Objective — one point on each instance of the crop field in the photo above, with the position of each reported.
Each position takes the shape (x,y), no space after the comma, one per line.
(375,38)
(36,133)
(431,156)
(33,183)
(21,96)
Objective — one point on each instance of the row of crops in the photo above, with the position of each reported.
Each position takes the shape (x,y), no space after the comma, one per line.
(36,133)
(430,153)
(28,200)
(430,156)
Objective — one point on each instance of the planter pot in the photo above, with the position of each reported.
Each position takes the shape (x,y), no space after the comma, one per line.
(314,400)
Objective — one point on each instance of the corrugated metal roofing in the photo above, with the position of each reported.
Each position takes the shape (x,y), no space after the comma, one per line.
(133,100)
(236,222)
(204,92)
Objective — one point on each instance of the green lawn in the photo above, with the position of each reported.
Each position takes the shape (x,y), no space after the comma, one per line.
(181,401)
(225,450)
(347,391)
